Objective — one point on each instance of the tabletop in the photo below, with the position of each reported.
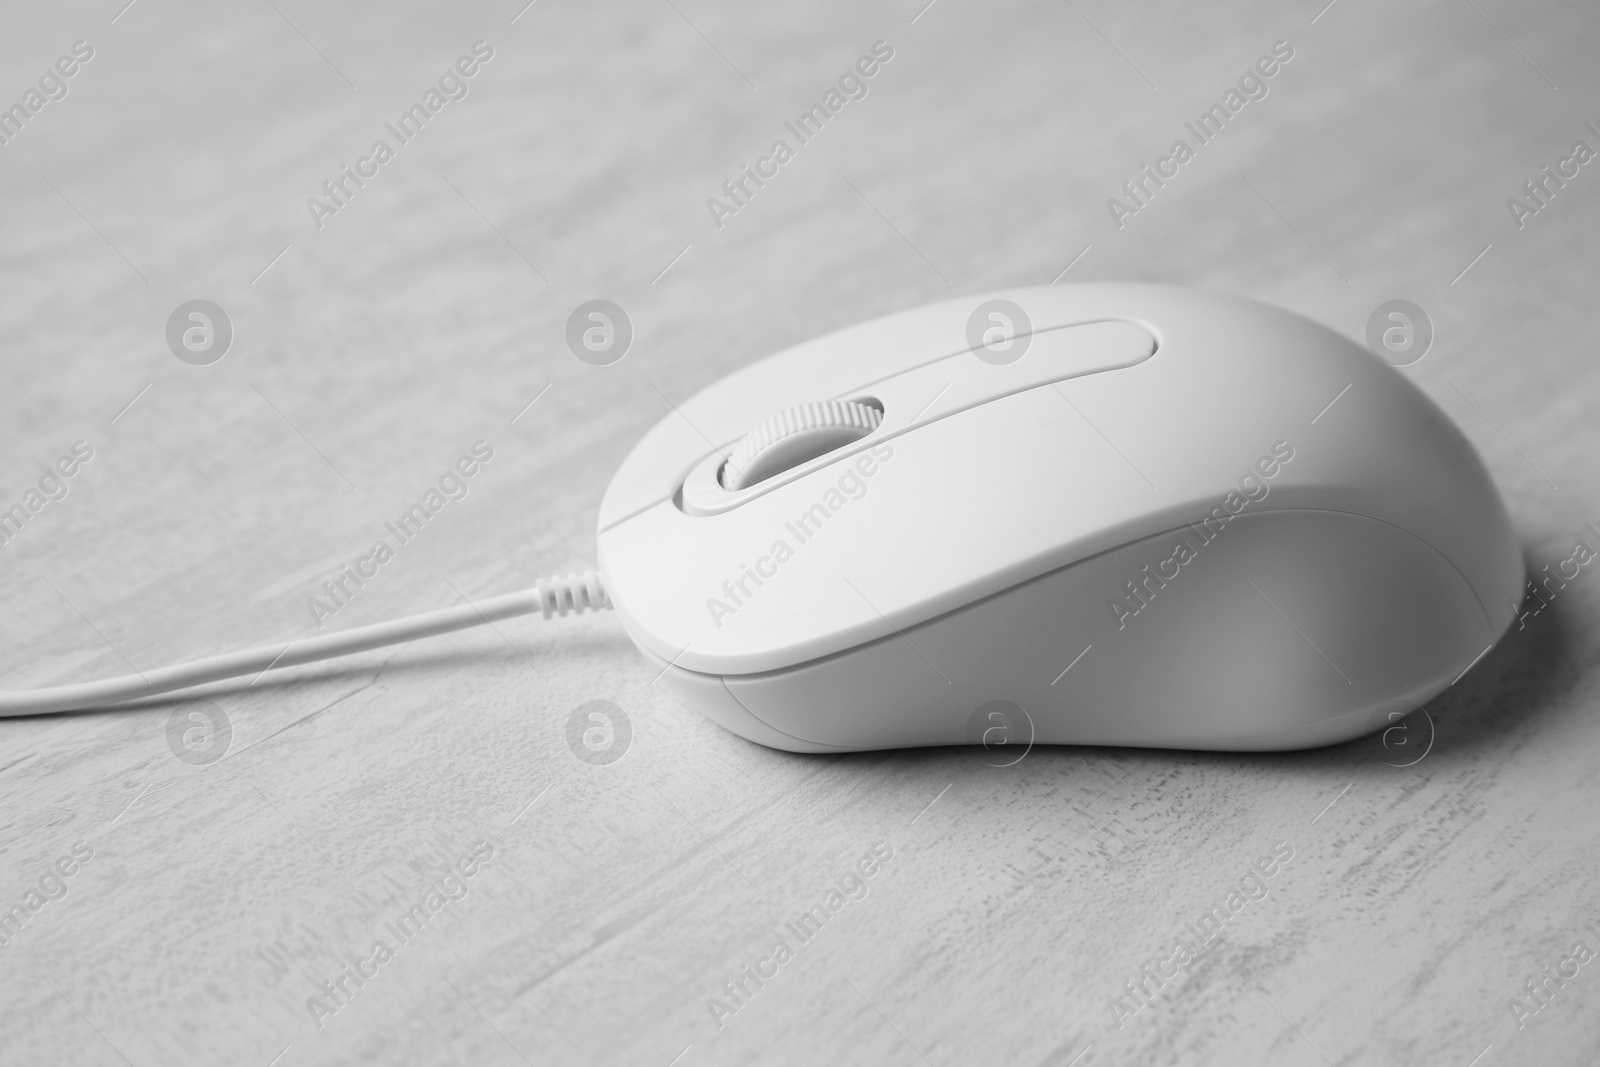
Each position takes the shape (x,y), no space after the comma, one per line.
(240,340)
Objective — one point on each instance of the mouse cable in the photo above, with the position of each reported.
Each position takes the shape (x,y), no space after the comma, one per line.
(550,596)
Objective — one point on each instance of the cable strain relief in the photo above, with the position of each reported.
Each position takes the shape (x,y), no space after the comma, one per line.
(577,593)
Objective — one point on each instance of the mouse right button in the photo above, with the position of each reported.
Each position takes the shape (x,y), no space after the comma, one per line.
(937,390)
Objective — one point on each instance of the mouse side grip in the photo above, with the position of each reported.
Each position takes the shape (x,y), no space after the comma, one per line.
(1290,629)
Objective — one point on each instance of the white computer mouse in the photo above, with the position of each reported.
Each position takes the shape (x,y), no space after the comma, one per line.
(1104,514)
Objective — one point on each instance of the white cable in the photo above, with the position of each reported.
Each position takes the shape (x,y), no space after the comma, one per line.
(575,593)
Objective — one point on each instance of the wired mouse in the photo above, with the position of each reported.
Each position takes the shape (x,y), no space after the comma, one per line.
(1098,514)
(1104,514)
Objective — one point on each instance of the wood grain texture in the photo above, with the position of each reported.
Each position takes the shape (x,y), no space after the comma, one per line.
(425,315)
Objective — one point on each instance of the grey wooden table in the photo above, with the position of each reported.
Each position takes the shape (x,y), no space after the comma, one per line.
(400,859)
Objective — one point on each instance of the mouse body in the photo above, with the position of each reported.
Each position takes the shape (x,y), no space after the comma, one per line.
(1099,514)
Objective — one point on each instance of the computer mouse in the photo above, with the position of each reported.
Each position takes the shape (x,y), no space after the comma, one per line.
(1099,514)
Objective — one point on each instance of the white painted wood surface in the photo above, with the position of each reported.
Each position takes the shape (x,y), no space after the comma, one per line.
(427,313)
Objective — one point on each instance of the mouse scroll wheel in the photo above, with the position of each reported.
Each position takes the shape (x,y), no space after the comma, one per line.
(791,437)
